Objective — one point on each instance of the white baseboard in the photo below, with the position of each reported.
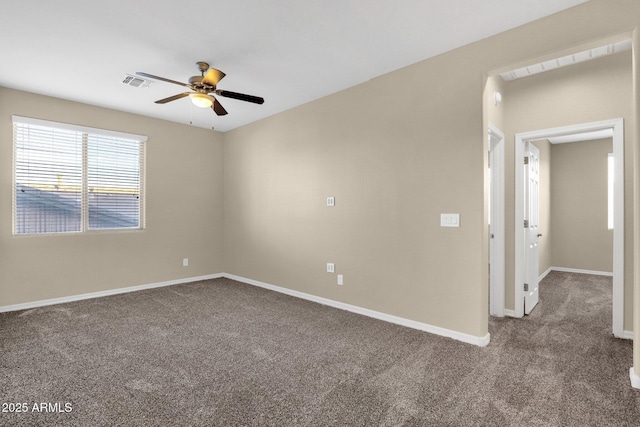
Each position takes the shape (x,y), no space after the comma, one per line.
(41,303)
(543,275)
(459,336)
(580,271)
(635,379)
(627,335)
(509,313)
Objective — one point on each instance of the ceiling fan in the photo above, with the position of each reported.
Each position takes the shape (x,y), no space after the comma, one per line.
(204,86)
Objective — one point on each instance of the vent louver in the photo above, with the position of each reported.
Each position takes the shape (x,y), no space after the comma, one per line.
(136,81)
(566,60)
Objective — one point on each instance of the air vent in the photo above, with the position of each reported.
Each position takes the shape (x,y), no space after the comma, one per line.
(136,81)
(564,61)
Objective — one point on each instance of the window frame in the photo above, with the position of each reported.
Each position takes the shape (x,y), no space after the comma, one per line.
(84,221)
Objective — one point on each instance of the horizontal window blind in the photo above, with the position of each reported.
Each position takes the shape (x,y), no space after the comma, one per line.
(48,180)
(113,178)
(73,179)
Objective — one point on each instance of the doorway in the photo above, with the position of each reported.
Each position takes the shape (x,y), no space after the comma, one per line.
(616,130)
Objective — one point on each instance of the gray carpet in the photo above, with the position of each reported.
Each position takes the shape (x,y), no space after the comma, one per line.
(224,353)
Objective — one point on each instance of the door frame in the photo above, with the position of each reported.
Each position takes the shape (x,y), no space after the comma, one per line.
(617,126)
(497,243)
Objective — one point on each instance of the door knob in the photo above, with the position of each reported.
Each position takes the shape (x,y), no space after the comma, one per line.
(539,235)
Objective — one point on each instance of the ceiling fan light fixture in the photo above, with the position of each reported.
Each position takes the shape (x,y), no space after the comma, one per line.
(201,100)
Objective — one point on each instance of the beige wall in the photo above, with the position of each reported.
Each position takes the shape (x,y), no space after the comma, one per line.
(393,170)
(183,211)
(580,237)
(596,90)
(395,152)
(544,255)
(493,113)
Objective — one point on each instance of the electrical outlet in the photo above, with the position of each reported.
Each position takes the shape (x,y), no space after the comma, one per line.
(331,201)
(185,262)
(340,279)
(331,268)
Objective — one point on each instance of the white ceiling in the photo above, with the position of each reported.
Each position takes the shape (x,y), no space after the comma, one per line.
(288,51)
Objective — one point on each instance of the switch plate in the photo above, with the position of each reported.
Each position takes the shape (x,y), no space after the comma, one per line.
(331,201)
(340,279)
(449,220)
(331,268)
(185,262)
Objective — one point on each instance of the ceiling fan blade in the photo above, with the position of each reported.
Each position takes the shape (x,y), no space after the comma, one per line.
(240,96)
(212,77)
(151,76)
(218,108)
(173,98)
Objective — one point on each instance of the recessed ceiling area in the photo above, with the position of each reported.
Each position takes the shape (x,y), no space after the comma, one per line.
(288,52)
(566,60)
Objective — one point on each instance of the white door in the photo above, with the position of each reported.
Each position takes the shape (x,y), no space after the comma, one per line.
(531,225)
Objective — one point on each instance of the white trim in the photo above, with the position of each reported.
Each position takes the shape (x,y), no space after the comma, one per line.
(509,313)
(71,298)
(626,335)
(459,336)
(497,244)
(618,232)
(579,137)
(543,275)
(635,379)
(77,128)
(581,271)
(610,190)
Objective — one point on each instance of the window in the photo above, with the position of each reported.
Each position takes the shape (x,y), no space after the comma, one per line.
(71,178)
(610,191)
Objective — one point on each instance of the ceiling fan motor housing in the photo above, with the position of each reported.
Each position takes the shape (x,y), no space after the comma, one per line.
(195,80)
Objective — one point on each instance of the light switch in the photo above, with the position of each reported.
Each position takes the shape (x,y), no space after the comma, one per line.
(449,220)
(331,201)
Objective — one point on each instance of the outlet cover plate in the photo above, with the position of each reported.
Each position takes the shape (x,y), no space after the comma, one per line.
(449,220)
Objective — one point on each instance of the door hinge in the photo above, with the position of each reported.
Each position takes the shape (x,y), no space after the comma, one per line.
(526,160)
(526,223)
(526,287)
